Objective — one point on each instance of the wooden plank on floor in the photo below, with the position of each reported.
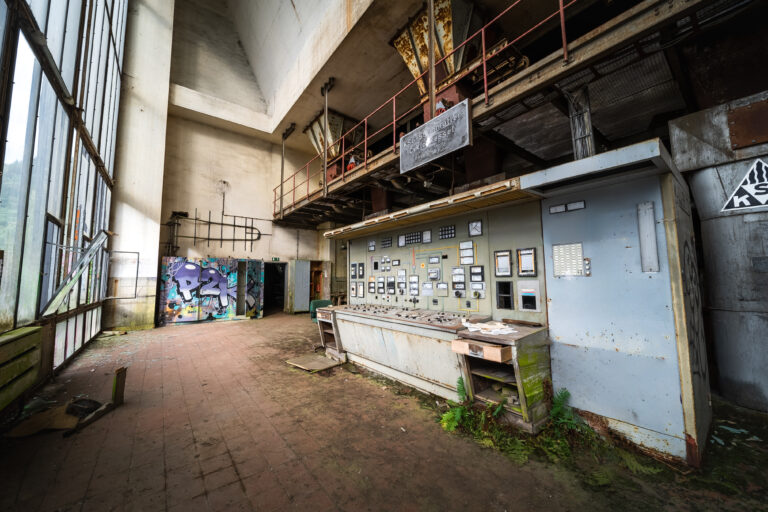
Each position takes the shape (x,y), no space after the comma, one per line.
(313,362)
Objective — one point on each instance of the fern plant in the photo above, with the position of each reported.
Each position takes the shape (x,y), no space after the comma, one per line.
(564,419)
(461,390)
(452,418)
(634,465)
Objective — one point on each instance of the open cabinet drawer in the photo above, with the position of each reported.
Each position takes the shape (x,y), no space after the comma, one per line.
(482,350)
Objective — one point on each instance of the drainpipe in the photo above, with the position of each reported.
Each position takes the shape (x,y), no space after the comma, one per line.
(287,133)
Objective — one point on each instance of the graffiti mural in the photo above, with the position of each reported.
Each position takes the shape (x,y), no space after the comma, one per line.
(254,291)
(195,290)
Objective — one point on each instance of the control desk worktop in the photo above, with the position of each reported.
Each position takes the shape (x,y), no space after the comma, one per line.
(432,319)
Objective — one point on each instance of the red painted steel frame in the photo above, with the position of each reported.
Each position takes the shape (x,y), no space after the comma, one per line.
(393,100)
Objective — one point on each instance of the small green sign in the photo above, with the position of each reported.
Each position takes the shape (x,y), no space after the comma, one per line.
(275,259)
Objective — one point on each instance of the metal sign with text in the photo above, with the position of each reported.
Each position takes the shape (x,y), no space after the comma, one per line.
(439,136)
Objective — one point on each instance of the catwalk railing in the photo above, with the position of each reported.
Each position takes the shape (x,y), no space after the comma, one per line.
(297,187)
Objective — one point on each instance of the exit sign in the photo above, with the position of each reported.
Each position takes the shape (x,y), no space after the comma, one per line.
(275,259)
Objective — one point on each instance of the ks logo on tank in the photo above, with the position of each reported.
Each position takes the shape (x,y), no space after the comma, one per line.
(752,192)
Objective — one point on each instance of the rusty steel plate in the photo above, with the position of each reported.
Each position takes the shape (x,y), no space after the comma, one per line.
(748,125)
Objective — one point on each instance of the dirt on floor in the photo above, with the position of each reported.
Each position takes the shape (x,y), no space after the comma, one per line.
(215,419)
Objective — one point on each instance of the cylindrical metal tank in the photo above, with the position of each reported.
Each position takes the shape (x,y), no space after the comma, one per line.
(735,260)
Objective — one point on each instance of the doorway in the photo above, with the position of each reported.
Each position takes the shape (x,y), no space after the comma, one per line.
(316,280)
(274,288)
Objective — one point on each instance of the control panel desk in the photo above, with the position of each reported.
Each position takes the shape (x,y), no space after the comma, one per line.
(512,368)
(412,346)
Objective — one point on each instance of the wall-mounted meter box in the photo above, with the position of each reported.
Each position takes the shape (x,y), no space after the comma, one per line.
(361,270)
(353,271)
(433,274)
(528,295)
(442,289)
(477,290)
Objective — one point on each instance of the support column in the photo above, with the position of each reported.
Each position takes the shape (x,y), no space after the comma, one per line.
(139,163)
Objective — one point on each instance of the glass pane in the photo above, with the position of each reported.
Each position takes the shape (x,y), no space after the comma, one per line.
(79,331)
(3,21)
(100,82)
(83,283)
(58,163)
(59,343)
(36,205)
(93,64)
(40,11)
(57,19)
(89,192)
(50,260)
(87,327)
(13,189)
(110,154)
(106,124)
(70,44)
(121,39)
(70,337)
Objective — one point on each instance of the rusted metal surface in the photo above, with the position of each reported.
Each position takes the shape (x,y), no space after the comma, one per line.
(748,125)
(412,42)
(702,140)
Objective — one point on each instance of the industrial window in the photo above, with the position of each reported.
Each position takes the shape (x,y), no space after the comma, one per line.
(413,238)
(16,167)
(53,198)
(447,232)
(386,243)
(504,295)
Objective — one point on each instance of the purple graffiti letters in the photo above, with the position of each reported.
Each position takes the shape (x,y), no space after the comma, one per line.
(214,285)
(191,279)
(187,279)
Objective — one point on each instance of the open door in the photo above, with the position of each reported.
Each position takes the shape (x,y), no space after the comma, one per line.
(273,289)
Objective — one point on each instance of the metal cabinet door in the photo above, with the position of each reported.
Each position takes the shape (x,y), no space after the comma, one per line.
(299,285)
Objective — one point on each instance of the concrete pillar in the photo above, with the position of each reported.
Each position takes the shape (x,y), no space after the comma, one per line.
(139,162)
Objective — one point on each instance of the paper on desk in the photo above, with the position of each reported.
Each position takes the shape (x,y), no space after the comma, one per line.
(492,328)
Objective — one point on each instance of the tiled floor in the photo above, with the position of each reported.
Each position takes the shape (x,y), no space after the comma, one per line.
(215,420)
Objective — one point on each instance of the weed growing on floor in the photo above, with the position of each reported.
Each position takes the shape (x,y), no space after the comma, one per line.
(564,433)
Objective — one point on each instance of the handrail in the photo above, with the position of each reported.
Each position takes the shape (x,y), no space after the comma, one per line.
(345,151)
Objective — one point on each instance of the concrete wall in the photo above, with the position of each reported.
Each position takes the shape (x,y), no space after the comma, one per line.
(202,164)
(288,42)
(207,55)
(139,160)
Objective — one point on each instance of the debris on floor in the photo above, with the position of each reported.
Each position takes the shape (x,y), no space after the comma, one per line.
(79,412)
(313,363)
(56,418)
